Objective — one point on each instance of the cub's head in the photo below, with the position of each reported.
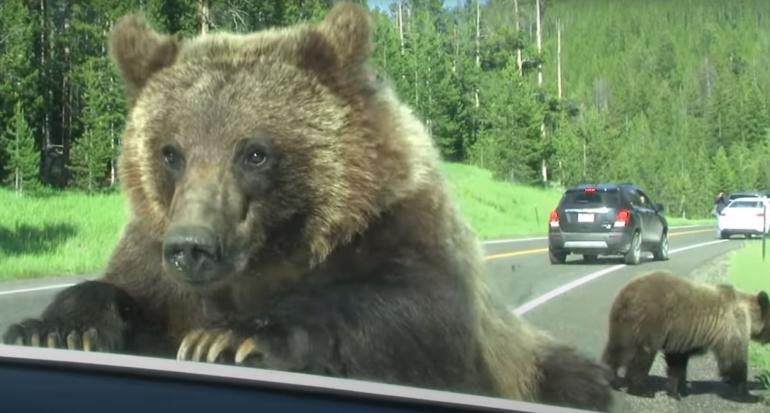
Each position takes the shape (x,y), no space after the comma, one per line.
(250,151)
(761,320)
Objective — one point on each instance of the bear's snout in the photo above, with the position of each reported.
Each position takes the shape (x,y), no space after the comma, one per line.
(193,252)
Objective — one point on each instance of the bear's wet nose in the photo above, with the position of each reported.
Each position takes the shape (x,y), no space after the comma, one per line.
(192,251)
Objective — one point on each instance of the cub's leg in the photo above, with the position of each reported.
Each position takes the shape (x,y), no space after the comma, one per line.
(637,371)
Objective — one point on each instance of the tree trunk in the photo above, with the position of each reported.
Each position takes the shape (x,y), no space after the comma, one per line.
(66,107)
(203,7)
(45,128)
(478,51)
(401,24)
(455,37)
(709,82)
(544,168)
(90,169)
(518,31)
(539,45)
(416,87)
(429,109)
(478,33)
(113,178)
(558,57)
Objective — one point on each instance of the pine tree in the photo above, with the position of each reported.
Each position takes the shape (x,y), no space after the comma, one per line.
(746,166)
(510,141)
(724,176)
(568,157)
(435,95)
(762,152)
(23,164)
(95,148)
(755,117)
(18,74)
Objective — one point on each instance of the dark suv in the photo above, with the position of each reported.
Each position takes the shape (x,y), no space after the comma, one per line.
(607,219)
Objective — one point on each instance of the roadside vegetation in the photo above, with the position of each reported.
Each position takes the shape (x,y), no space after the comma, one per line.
(669,95)
(66,232)
(58,232)
(748,272)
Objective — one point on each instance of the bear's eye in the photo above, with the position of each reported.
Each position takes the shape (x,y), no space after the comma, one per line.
(172,158)
(255,157)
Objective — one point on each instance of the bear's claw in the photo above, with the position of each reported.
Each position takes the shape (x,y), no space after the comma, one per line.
(35,333)
(217,345)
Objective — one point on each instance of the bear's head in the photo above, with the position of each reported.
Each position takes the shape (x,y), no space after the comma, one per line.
(245,152)
(761,321)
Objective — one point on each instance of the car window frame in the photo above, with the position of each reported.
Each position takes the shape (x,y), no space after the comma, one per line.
(647,200)
(60,364)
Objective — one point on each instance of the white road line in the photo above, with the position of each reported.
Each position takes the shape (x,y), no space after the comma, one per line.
(526,307)
(530,305)
(30,290)
(703,244)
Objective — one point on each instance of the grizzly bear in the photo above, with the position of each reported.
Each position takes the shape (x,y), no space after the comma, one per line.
(288,212)
(681,318)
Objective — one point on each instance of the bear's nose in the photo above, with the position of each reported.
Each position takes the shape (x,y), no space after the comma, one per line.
(193,251)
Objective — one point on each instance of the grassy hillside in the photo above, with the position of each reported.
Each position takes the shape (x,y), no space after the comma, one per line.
(68,233)
(496,209)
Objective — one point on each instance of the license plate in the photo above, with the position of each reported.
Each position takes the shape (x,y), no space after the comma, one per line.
(585,217)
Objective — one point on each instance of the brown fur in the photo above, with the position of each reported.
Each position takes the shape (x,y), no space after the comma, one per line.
(681,318)
(348,236)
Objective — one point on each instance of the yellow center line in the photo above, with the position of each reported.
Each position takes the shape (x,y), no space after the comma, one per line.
(515,253)
(695,231)
(539,250)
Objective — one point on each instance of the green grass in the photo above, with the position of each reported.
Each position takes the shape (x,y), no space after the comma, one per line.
(749,273)
(674,221)
(57,233)
(497,209)
(72,233)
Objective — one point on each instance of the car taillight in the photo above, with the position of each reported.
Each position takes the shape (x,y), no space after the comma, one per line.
(590,189)
(554,219)
(761,214)
(623,217)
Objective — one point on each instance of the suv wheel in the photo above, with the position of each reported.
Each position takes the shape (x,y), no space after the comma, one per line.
(557,257)
(634,254)
(589,257)
(661,252)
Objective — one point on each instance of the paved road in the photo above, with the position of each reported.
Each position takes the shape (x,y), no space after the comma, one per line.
(542,293)
(570,301)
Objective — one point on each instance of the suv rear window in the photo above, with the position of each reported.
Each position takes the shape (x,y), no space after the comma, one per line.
(581,198)
(743,195)
(746,204)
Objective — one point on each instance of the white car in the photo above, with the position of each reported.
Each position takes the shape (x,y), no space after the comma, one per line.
(744,216)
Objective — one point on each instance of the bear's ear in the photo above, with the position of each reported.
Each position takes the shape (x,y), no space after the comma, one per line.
(347,30)
(764,302)
(139,51)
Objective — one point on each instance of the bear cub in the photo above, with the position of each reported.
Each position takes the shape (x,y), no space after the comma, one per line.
(681,318)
